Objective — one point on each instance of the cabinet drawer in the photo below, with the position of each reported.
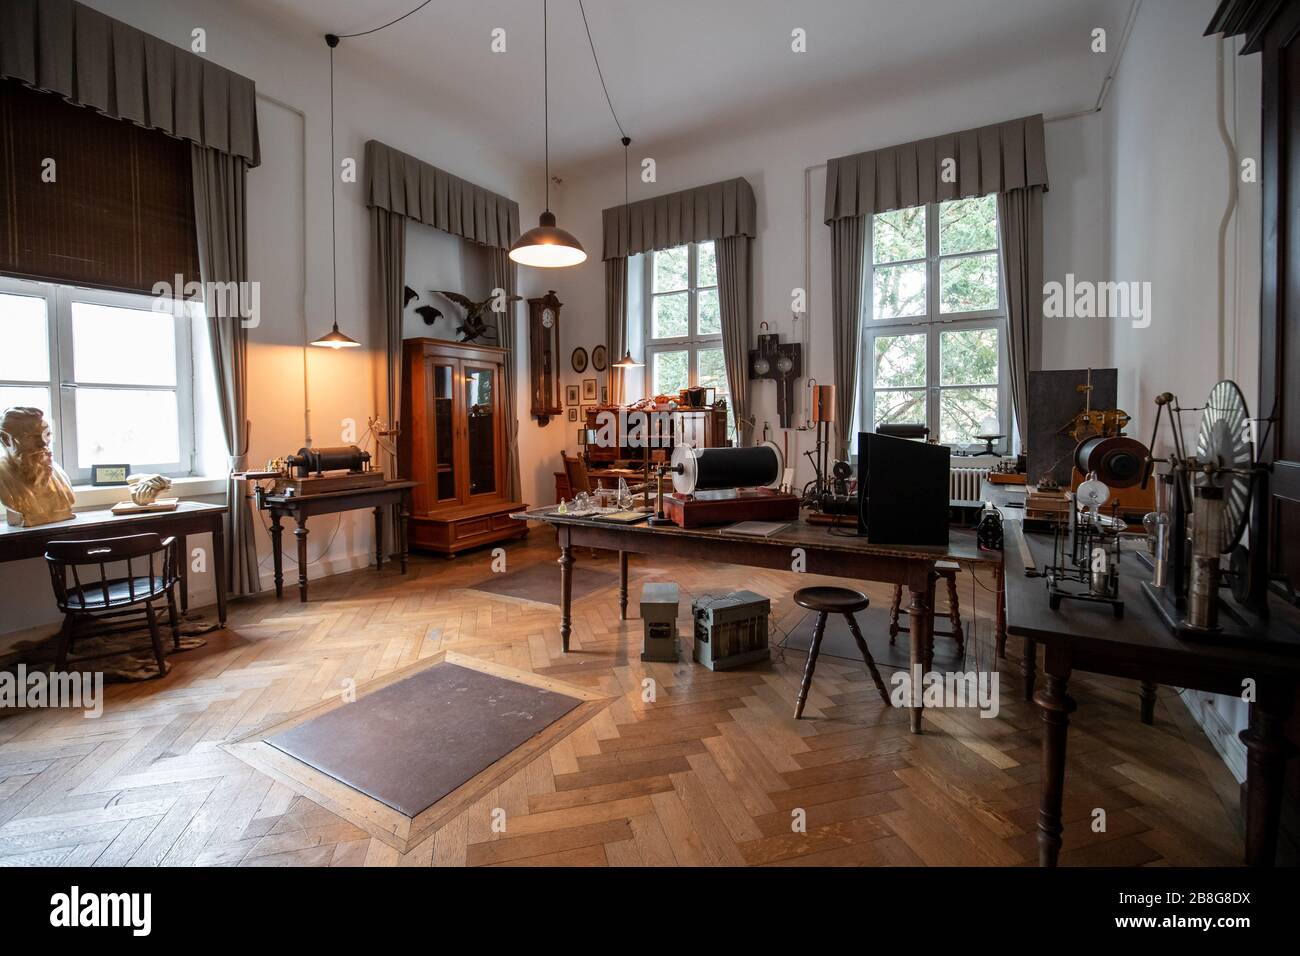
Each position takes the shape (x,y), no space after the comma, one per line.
(503,522)
(473,526)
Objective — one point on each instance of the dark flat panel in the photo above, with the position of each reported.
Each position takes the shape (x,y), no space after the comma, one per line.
(1053,403)
(415,741)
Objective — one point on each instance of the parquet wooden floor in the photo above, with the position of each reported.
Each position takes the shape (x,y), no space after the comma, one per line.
(711,772)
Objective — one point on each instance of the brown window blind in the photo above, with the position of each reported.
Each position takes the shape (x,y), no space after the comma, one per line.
(120,211)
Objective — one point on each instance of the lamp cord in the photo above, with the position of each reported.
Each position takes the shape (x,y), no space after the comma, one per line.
(345,36)
(334,239)
(600,74)
(546,108)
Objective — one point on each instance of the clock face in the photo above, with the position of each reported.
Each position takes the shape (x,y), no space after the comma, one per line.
(548,317)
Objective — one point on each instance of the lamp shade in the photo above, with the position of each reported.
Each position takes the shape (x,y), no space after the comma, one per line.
(334,339)
(547,246)
(627,361)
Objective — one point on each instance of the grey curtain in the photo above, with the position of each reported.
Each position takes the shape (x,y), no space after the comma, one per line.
(93,60)
(413,188)
(707,212)
(505,275)
(616,322)
(991,159)
(1020,223)
(848,250)
(221,220)
(736,299)
(388,246)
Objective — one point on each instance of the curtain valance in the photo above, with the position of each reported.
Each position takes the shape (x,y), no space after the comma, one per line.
(715,211)
(411,187)
(90,59)
(991,159)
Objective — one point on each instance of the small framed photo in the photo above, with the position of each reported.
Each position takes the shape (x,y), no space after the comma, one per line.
(588,389)
(570,395)
(109,474)
(599,358)
(573,414)
(582,436)
(588,411)
(604,395)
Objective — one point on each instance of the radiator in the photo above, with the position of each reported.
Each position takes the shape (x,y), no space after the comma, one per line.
(964,483)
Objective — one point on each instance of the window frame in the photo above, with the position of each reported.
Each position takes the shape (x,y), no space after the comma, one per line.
(59,299)
(932,323)
(694,341)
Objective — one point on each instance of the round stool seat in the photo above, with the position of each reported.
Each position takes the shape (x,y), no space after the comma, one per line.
(832,600)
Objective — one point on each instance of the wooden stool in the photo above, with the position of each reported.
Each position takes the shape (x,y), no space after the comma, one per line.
(828,600)
(948,572)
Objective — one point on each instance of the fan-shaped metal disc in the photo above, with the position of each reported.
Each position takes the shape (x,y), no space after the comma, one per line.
(684,481)
(1224,440)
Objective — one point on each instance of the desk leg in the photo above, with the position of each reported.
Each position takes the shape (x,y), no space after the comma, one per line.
(1147,693)
(622,585)
(402,528)
(1267,751)
(183,556)
(1029,667)
(920,636)
(300,533)
(379,539)
(566,588)
(1055,707)
(219,553)
(999,581)
(277,556)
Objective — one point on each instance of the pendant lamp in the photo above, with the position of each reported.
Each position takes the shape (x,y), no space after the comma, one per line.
(334,339)
(547,246)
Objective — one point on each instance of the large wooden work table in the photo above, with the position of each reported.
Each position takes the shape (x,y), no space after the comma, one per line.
(1081,636)
(816,549)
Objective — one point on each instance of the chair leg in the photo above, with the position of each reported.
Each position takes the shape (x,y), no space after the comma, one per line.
(172,620)
(867,658)
(156,637)
(65,641)
(894,607)
(954,615)
(818,629)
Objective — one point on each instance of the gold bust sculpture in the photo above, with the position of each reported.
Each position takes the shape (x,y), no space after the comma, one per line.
(33,489)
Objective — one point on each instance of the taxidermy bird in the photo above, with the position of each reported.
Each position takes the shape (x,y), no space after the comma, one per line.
(474,325)
(428,313)
(407,295)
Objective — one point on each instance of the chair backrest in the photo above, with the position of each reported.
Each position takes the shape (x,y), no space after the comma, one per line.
(147,556)
(575,469)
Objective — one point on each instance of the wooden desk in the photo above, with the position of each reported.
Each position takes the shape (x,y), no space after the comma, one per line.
(394,494)
(1085,637)
(190,517)
(838,553)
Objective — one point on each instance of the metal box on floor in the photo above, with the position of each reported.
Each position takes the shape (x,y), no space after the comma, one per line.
(659,603)
(730,629)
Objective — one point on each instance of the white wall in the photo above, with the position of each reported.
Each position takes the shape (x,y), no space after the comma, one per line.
(1169,189)
(776,162)
(290,255)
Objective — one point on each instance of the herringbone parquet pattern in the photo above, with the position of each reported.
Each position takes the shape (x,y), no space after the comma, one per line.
(713,771)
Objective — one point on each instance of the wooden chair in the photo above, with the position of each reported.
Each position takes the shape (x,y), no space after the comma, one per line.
(84,589)
(947,571)
(832,600)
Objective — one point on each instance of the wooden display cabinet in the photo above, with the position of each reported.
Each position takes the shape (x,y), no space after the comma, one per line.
(453,442)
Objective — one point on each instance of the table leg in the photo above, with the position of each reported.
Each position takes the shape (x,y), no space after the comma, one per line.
(1055,707)
(403,528)
(219,555)
(1029,667)
(183,555)
(277,530)
(1267,751)
(300,532)
(622,585)
(1147,693)
(379,539)
(566,590)
(920,636)
(999,581)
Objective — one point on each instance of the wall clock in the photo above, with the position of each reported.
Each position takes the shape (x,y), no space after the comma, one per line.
(543,357)
(579,359)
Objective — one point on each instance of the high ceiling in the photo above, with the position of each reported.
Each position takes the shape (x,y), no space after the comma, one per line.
(681,68)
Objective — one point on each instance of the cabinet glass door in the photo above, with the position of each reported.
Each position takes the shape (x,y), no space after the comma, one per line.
(481,422)
(444,430)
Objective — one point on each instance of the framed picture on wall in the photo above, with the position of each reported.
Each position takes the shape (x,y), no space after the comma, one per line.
(570,395)
(588,389)
(579,360)
(573,414)
(604,395)
(599,358)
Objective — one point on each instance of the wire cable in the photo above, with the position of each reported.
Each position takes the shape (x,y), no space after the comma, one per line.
(601,75)
(344,36)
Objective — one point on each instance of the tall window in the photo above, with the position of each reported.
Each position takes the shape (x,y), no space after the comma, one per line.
(684,320)
(112,373)
(934,323)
